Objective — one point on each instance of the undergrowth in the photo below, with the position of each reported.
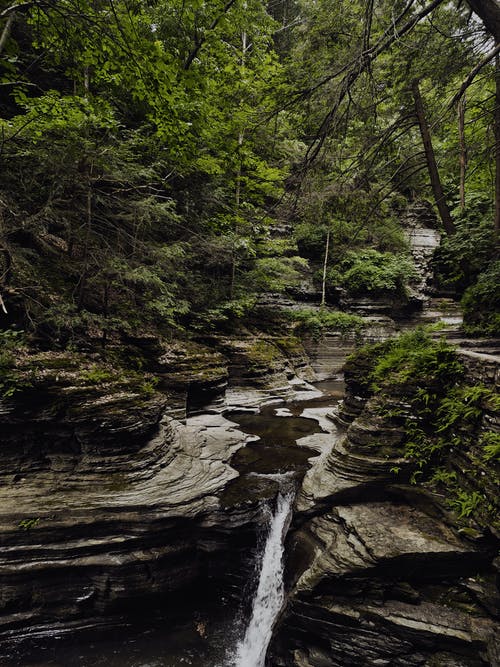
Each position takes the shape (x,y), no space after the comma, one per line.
(316,322)
(11,343)
(421,385)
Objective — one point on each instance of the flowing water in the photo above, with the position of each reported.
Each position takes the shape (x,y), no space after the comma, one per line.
(251,651)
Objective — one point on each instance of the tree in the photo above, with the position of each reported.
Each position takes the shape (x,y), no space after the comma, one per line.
(437,189)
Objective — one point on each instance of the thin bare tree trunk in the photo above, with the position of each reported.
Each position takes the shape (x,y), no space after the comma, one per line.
(325,267)
(6,31)
(437,188)
(463,149)
(497,148)
(84,275)
(86,81)
(241,137)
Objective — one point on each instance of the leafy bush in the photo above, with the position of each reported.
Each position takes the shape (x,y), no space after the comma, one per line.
(466,503)
(372,271)
(98,375)
(224,315)
(277,247)
(416,355)
(420,387)
(490,442)
(461,257)
(275,274)
(317,321)
(481,303)
(311,240)
(10,380)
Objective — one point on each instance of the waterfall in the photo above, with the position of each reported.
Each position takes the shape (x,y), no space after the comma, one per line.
(251,650)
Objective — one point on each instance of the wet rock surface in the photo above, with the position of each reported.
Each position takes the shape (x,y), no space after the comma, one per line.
(378,571)
(84,539)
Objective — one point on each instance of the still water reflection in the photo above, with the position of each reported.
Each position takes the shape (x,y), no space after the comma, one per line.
(197,644)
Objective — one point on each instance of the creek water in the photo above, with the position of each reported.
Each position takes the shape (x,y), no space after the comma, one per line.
(251,651)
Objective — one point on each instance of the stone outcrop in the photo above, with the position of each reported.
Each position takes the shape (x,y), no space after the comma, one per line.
(91,534)
(265,368)
(379,571)
(107,501)
(328,354)
(421,229)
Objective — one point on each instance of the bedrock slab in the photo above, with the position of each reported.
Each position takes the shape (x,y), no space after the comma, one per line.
(88,536)
(382,583)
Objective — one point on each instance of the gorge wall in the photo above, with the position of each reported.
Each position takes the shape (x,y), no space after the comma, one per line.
(380,570)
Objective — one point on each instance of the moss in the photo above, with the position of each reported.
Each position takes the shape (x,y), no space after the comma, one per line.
(289,344)
(117,482)
(316,322)
(263,353)
(421,386)
(98,375)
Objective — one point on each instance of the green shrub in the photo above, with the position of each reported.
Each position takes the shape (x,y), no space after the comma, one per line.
(372,271)
(481,303)
(490,443)
(224,315)
(420,387)
(99,375)
(461,257)
(275,274)
(416,357)
(466,503)
(278,247)
(317,321)
(311,239)
(11,381)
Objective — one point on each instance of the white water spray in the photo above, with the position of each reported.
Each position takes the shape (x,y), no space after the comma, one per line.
(251,651)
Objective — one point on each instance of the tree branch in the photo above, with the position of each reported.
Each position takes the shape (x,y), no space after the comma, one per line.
(360,65)
(199,42)
(473,73)
(16,8)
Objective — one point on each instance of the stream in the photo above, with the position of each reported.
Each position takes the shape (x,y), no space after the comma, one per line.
(251,651)
(219,634)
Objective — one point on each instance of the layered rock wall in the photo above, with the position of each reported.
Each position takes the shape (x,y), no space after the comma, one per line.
(379,570)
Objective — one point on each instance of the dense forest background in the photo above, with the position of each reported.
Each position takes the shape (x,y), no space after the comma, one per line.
(165,162)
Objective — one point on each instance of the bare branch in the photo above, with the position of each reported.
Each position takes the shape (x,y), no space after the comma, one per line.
(16,8)
(473,73)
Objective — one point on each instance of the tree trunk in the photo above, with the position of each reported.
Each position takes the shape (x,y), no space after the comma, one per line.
(84,275)
(497,148)
(463,149)
(437,189)
(325,266)
(6,31)
(489,13)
